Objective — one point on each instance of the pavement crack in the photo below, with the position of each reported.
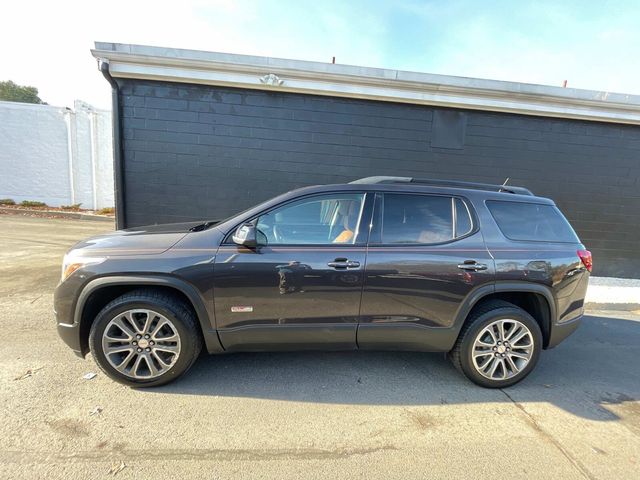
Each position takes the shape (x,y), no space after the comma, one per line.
(533,423)
(36,299)
(190,454)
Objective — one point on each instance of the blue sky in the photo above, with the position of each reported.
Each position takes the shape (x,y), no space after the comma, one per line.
(591,44)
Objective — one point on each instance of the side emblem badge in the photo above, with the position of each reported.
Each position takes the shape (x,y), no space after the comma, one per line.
(241,309)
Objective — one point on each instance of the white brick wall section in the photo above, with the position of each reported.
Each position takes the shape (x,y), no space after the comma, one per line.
(56,155)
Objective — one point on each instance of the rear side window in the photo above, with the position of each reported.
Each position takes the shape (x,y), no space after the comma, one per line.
(532,222)
(423,219)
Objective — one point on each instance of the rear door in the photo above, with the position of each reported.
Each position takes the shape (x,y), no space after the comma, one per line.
(301,288)
(425,255)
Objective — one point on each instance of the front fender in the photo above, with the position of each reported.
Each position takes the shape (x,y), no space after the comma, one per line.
(205,315)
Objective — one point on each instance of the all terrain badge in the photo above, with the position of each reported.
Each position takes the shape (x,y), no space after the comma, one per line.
(241,309)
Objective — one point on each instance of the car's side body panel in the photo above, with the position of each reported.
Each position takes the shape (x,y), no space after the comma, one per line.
(553,269)
(285,297)
(276,297)
(71,332)
(187,267)
(412,292)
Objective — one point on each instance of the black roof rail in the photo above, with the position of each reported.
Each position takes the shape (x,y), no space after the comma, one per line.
(446,183)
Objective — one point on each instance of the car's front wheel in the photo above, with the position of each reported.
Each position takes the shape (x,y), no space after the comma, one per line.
(145,338)
(498,346)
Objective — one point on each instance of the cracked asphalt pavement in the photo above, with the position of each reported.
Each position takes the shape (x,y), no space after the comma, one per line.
(301,415)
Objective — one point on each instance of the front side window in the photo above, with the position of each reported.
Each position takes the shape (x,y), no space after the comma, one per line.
(423,219)
(320,220)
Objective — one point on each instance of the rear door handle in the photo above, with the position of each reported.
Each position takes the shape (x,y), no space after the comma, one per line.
(343,263)
(472,265)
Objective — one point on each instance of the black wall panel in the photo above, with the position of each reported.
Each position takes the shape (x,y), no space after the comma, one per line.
(199,152)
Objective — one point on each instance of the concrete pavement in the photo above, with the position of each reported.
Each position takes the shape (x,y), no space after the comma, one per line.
(302,415)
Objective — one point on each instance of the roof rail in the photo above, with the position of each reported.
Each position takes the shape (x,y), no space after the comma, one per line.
(446,183)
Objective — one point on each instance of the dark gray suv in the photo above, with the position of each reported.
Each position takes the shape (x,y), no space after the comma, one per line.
(488,273)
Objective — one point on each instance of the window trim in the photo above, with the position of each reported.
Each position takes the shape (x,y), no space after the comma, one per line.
(363,235)
(455,217)
(379,215)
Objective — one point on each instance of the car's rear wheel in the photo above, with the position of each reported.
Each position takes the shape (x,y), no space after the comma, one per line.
(145,338)
(498,346)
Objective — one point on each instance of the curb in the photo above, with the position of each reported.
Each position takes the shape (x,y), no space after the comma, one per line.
(616,294)
(57,214)
(618,307)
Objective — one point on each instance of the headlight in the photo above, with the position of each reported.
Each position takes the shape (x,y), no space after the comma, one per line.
(71,263)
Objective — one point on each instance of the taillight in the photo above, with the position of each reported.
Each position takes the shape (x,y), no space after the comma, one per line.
(587,261)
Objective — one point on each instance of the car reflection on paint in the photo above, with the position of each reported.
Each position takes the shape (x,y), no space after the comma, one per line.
(291,277)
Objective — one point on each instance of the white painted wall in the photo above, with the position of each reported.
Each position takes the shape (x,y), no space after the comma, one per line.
(56,155)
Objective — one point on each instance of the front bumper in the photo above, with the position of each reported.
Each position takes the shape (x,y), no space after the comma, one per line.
(560,331)
(70,334)
(64,299)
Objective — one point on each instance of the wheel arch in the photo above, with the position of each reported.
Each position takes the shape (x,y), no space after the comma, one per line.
(535,299)
(99,292)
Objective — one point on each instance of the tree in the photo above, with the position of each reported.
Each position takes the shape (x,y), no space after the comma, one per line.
(12,92)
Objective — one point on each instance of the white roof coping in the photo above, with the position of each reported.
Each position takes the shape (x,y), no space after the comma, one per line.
(300,76)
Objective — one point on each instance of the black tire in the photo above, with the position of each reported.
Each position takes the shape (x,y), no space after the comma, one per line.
(174,309)
(462,353)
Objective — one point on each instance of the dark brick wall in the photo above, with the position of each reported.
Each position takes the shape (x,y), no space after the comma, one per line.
(193,152)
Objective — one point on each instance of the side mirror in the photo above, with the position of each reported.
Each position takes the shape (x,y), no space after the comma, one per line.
(245,235)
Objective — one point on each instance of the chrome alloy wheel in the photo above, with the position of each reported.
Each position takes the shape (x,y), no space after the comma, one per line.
(502,349)
(141,344)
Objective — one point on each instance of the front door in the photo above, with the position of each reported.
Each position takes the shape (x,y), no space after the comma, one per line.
(301,287)
(425,256)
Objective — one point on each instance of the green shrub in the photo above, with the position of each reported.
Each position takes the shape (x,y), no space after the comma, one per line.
(75,207)
(31,203)
(106,211)
(6,201)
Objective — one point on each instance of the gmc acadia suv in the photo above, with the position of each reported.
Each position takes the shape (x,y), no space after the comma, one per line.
(490,274)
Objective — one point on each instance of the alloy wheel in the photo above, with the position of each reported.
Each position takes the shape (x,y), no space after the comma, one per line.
(141,343)
(502,349)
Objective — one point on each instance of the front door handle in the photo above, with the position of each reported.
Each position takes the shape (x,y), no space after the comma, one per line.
(472,265)
(343,263)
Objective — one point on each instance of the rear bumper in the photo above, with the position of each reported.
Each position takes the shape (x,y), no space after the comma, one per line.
(560,331)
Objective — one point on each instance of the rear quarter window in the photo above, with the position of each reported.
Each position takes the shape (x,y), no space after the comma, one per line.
(531,222)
